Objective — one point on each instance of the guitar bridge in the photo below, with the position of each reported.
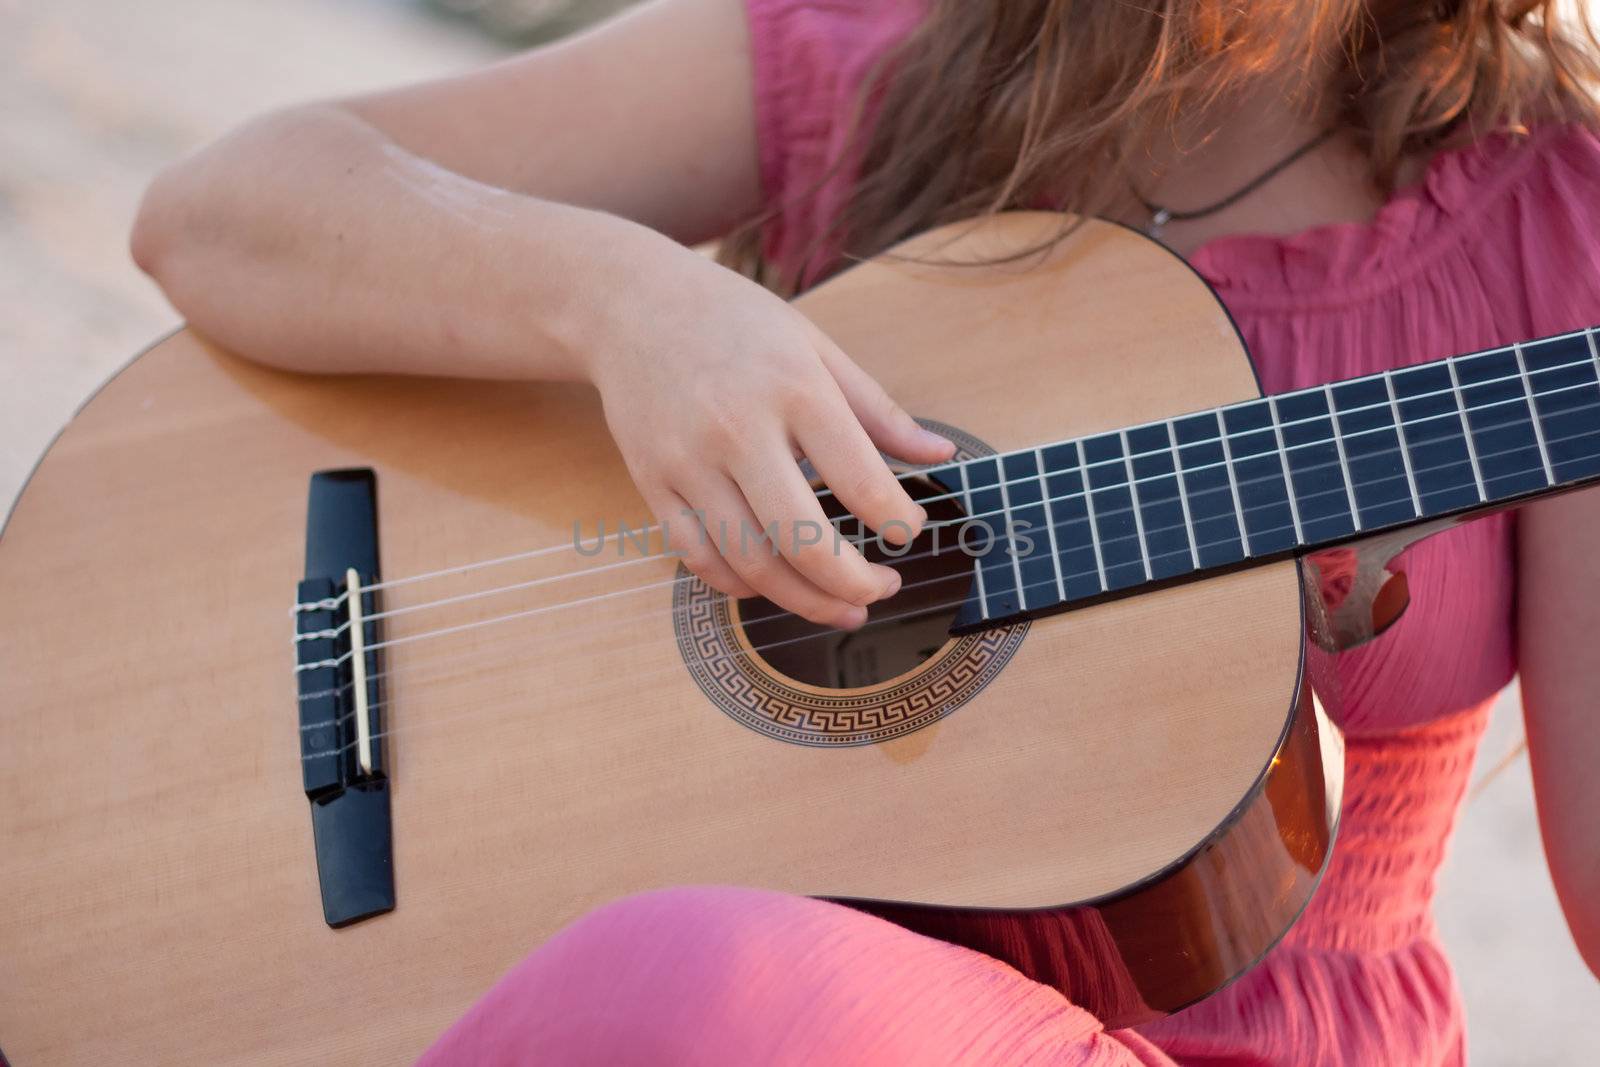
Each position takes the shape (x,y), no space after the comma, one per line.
(338,666)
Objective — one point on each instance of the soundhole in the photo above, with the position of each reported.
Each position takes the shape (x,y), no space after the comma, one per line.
(901,632)
(807,685)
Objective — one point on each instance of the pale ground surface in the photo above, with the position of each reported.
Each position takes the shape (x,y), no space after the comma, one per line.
(94,96)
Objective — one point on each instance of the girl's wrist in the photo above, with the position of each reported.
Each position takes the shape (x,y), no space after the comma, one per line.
(636,281)
(587,287)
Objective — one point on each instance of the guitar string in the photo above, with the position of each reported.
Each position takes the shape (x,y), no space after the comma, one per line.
(893,558)
(435,721)
(962,576)
(912,474)
(642,534)
(563,605)
(332,602)
(457,718)
(674,613)
(1274,478)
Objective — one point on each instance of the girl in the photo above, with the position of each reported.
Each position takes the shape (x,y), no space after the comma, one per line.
(1361,180)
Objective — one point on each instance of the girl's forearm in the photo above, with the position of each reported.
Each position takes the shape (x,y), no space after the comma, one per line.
(310,241)
(1558,612)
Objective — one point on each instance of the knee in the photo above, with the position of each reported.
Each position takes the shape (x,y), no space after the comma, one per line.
(698,931)
(620,985)
(648,978)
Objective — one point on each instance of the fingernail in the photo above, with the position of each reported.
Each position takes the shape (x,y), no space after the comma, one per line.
(933,440)
(853,619)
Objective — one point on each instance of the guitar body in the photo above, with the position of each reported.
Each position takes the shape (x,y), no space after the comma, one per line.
(1132,801)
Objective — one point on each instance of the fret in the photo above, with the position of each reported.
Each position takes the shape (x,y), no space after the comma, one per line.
(999,587)
(1212,499)
(1183,496)
(1233,482)
(1283,461)
(1436,438)
(1367,429)
(1111,498)
(1094,527)
(1466,430)
(977,563)
(1565,377)
(1257,466)
(1405,449)
(1152,466)
(1500,419)
(1133,493)
(1049,523)
(1068,499)
(1007,522)
(1538,431)
(1034,560)
(1344,460)
(1323,497)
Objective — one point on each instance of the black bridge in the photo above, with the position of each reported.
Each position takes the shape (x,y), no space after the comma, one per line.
(338,667)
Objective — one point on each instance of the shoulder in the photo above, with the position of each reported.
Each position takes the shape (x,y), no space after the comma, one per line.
(1553,217)
(819,43)
(811,60)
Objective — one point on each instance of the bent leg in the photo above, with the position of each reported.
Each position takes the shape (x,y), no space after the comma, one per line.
(712,975)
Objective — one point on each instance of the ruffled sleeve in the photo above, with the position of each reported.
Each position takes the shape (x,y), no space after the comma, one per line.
(811,59)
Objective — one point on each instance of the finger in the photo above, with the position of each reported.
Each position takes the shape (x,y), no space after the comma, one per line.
(886,422)
(855,471)
(686,538)
(783,502)
(745,547)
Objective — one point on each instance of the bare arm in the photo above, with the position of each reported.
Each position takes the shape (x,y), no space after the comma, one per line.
(471,226)
(1558,619)
(525,221)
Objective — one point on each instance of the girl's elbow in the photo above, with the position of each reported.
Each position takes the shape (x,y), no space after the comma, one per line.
(148,237)
(1579,895)
(1586,936)
(157,236)
(184,239)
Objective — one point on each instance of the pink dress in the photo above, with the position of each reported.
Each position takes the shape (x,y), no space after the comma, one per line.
(1499,243)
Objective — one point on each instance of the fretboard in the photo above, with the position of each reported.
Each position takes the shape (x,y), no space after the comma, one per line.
(1084,520)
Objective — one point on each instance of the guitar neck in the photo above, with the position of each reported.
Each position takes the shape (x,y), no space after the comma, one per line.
(1085,520)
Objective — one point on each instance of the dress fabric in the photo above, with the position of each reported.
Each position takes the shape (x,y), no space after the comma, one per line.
(1498,243)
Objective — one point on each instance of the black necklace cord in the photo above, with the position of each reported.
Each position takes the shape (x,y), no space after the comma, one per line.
(1160,216)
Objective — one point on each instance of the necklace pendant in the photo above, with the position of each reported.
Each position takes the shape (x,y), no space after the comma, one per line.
(1158,219)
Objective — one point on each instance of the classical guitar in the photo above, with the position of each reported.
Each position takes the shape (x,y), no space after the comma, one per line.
(325,700)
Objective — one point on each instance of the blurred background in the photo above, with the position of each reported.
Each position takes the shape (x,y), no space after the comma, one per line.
(96,95)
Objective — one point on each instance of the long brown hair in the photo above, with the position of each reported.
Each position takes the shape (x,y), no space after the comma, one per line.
(1009,103)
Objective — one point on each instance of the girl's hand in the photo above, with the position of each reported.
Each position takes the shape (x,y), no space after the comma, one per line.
(713,388)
